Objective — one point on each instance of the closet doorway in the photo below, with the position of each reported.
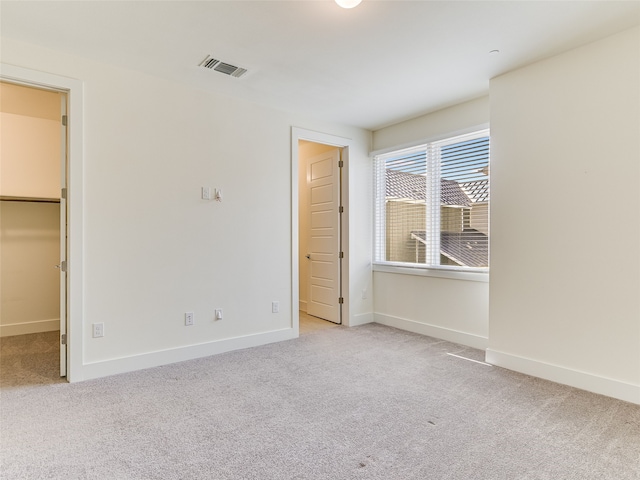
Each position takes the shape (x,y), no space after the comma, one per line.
(307,145)
(320,230)
(33,214)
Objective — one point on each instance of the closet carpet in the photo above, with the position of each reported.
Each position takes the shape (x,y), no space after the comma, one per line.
(32,359)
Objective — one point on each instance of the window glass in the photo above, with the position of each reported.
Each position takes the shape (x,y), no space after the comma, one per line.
(432,204)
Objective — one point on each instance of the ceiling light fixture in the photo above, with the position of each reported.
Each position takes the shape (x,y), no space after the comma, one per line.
(348,3)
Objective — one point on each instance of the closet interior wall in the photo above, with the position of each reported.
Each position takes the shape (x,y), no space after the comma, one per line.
(30,153)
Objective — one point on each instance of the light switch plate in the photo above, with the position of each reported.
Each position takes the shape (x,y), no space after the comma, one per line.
(98,330)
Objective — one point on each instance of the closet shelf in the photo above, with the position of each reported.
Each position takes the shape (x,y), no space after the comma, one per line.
(6,198)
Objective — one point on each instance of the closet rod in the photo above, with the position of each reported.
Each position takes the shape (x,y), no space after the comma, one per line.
(5,198)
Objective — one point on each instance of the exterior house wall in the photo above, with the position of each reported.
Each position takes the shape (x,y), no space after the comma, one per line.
(479,217)
(451,219)
(407,217)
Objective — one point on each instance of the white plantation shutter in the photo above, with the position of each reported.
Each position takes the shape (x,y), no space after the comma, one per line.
(432,204)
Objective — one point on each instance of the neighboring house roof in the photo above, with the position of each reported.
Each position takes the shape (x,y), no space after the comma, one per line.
(452,194)
(469,248)
(477,191)
(411,186)
(406,185)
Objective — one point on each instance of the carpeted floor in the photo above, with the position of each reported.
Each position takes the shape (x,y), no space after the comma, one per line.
(30,360)
(369,402)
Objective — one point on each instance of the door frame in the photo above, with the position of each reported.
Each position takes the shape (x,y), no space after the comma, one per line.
(345,144)
(74,91)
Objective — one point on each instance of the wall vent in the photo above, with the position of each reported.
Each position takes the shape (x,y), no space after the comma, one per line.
(222,67)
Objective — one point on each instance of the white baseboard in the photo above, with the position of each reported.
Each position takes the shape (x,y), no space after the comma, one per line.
(30,327)
(360,319)
(173,355)
(435,331)
(566,376)
(303,306)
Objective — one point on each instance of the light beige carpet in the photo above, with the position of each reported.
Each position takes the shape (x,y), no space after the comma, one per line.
(369,402)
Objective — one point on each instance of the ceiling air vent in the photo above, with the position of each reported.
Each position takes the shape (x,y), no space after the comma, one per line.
(222,67)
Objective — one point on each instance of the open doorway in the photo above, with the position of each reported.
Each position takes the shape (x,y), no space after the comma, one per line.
(320,254)
(33,232)
(320,233)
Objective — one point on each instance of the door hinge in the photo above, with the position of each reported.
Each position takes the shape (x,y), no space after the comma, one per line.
(341,300)
(341,255)
(340,163)
(340,209)
(63,339)
(63,265)
(63,193)
(65,120)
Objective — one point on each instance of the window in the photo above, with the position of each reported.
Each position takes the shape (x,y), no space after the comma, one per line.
(432,204)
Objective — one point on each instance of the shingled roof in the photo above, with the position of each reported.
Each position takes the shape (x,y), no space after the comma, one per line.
(410,186)
(469,248)
(477,191)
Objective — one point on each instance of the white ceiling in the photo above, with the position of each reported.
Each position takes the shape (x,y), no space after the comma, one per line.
(371,66)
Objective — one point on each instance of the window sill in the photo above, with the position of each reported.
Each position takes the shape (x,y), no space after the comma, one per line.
(432,272)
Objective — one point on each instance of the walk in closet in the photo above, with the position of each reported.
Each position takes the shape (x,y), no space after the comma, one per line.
(30,174)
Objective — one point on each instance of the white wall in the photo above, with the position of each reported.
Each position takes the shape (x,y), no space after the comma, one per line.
(565,218)
(30,283)
(454,309)
(438,124)
(451,309)
(153,249)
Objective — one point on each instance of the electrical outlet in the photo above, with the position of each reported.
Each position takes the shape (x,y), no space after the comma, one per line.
(364,293)
(206,193)
(98,330)
(189,319)
(218,314)
(275,307)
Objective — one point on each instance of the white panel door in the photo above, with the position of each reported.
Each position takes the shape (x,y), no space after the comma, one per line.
(323,183)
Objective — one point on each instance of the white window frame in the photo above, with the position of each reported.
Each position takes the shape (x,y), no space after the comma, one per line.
(433,227)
